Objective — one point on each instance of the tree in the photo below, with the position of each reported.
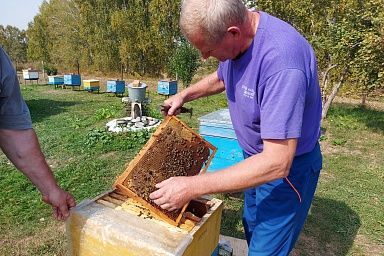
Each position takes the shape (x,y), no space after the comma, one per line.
(38,37)
(147,32)
(184,62)
(14,43)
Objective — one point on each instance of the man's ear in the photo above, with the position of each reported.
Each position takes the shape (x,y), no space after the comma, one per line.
(234,31)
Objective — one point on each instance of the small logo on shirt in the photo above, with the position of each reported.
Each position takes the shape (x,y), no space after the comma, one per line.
(248,92)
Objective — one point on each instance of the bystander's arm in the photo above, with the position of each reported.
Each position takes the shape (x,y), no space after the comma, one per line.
(23,149)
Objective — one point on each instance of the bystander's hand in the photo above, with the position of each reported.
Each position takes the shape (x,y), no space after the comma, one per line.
(61,202)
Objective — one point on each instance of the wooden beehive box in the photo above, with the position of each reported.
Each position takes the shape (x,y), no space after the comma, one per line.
(114,224)
(72,80)
(173,150)
(116,86)
(91,85)
(166,87)
(30,74)
(56,80)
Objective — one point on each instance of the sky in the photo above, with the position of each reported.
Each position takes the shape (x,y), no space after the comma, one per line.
(18,13)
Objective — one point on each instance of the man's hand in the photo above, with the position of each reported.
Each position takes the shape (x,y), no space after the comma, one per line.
(172,105)
(174,193)
(61,202)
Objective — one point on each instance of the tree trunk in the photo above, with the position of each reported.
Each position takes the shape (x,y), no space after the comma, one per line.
(78,66)
(122,72)
(333,95)
(364,98)
(325,82)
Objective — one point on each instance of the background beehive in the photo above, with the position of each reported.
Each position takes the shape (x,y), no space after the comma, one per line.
(173,150)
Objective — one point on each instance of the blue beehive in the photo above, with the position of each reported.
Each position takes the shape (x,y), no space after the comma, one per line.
(116,86)
(72,80)
(56,80)
(165,87)
(217,129)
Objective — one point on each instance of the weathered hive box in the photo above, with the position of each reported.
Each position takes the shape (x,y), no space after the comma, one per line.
(216,128)
(91,85)
(114,224)
(30,74)
(116,86)
(56,80)
(72,80)
(165,87)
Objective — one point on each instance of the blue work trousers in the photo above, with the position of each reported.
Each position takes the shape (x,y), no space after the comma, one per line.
(275,212)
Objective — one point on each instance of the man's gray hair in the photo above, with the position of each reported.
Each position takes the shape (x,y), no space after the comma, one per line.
(212,18)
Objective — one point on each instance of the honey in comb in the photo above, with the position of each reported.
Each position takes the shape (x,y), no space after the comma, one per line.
(174,150)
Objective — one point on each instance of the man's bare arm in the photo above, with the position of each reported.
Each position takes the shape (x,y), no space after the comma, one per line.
(23,149)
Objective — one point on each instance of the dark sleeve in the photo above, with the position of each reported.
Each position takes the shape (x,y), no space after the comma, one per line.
(14,113)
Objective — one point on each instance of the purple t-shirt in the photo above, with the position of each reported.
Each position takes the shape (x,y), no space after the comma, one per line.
(273,90)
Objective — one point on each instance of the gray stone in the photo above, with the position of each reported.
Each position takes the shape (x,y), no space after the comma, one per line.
(125,100)
(139,125)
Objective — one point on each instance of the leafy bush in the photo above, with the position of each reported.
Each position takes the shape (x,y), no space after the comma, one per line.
(98,136)
(105,141)
(50,70)
(104,113)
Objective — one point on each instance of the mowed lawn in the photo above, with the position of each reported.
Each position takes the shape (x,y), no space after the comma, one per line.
(347,216)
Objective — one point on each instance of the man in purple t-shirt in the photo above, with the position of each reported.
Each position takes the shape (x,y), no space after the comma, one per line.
(269,73)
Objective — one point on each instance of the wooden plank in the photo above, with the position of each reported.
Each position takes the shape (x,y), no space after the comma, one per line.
(239,246)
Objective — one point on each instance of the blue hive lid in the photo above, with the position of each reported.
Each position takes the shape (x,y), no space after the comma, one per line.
(221,117)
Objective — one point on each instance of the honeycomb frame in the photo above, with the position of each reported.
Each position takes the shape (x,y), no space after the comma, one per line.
(173,150)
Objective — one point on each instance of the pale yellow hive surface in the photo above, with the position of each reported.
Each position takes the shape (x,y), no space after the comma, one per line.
(112,224)
(95,229)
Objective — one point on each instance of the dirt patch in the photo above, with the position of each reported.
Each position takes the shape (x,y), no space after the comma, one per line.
(377,105)
(369,248)
(309,245)
(50,240)
(329,149)
(58,91)
(109,155)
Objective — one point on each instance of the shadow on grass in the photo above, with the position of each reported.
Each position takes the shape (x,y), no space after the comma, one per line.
(330,229)
(372,118)
(43,108)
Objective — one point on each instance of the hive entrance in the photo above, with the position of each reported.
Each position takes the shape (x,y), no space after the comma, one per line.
(173,150)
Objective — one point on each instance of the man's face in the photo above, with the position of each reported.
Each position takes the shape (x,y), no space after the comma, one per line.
(224,50)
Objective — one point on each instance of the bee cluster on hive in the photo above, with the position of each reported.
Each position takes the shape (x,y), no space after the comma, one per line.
(173,150)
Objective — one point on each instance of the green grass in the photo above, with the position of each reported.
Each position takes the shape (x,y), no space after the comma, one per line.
(347,216)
